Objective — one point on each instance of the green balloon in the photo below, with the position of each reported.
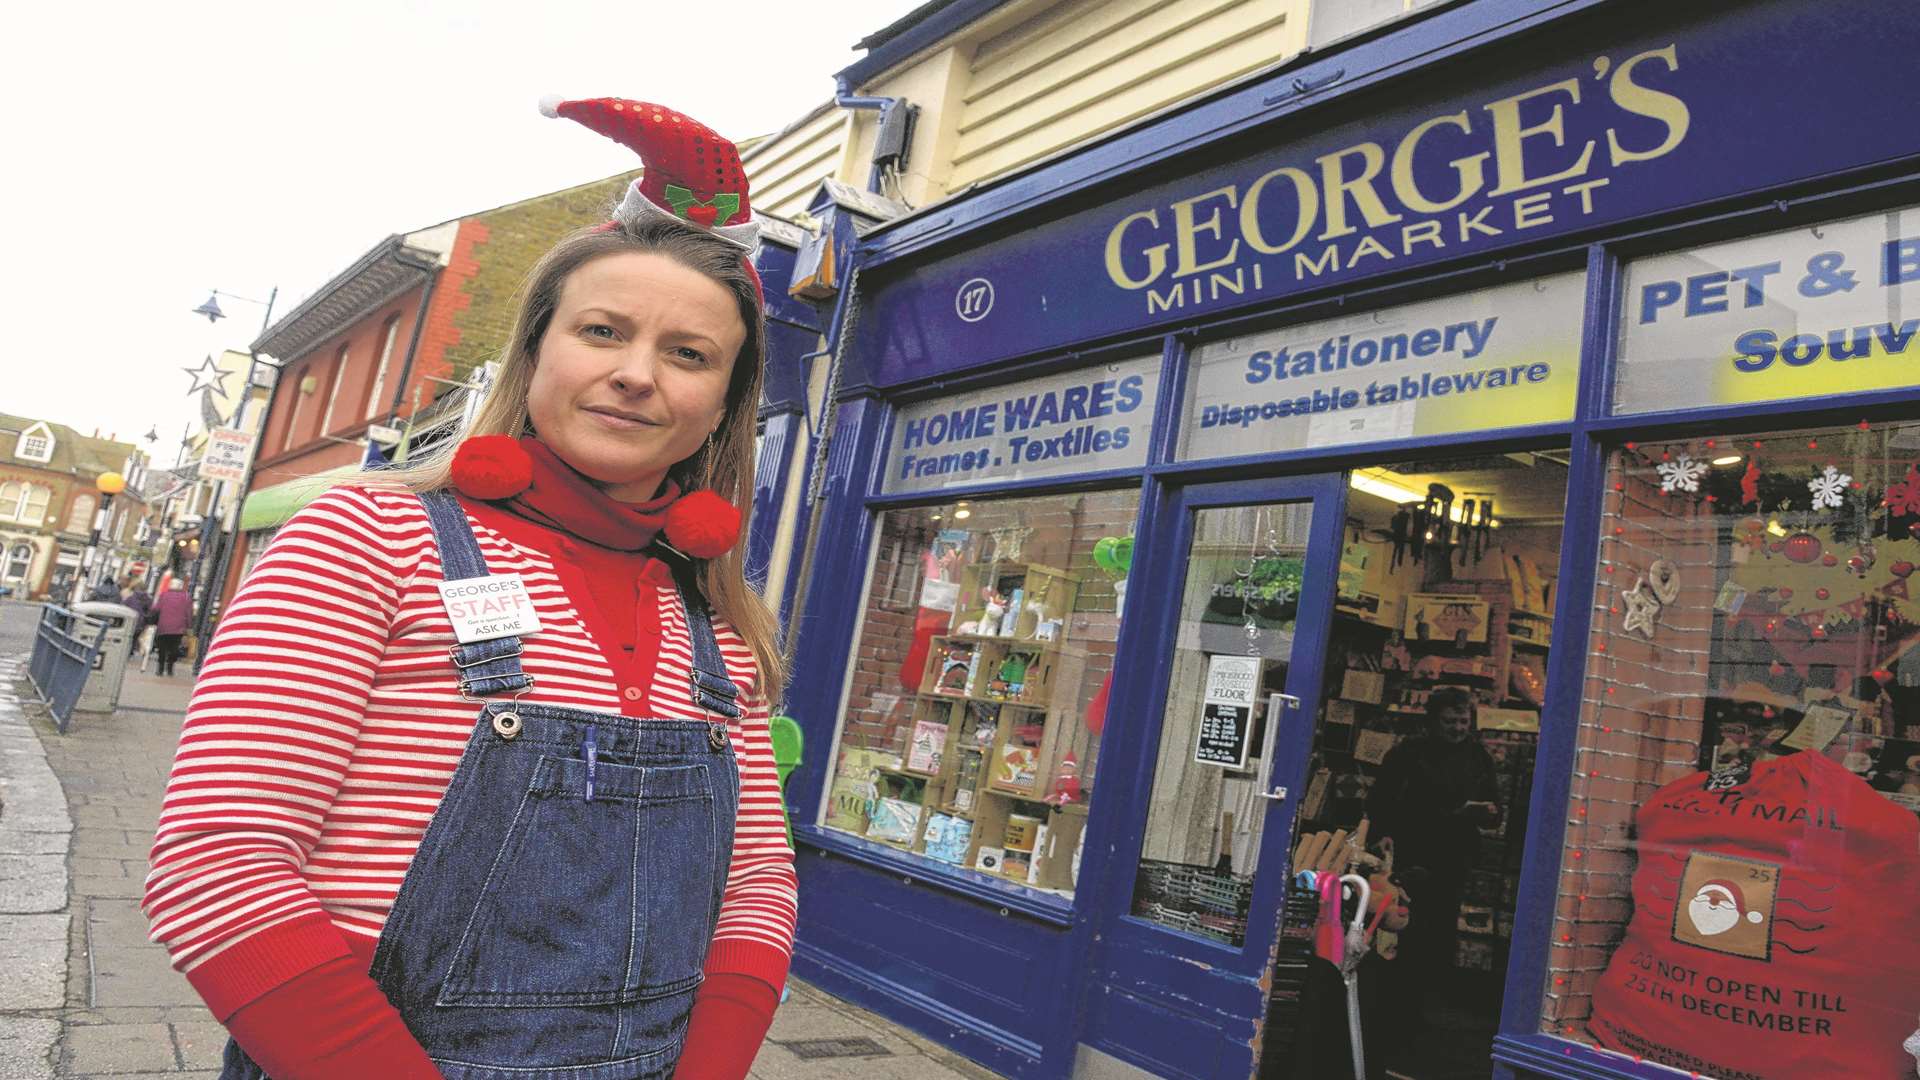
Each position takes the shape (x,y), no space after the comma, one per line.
(1123,555)
(1103,554)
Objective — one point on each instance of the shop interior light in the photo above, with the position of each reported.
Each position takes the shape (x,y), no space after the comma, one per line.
(961,513)
(1728,459)
(1382,488)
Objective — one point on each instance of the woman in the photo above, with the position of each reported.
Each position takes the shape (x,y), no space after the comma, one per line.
(477,781)
(141,601)
(172,611)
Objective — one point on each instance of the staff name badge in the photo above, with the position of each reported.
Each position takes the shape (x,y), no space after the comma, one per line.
(482,609)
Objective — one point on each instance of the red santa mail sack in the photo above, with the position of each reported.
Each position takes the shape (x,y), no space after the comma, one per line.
(1775,930)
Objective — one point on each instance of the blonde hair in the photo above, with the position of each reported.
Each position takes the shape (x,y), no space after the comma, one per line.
(723,464)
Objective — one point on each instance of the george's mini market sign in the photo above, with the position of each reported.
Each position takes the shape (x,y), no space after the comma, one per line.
(1524,150)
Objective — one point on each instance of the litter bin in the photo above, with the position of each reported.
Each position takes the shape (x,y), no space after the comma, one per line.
(102,691)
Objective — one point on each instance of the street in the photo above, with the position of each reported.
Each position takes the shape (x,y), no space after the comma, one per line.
(87,995)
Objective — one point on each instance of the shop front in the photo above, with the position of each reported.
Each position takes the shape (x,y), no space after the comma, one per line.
(1495,476)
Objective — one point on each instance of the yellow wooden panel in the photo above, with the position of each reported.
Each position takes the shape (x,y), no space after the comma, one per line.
(1051,114)
(786,169)
(1159,39)
(1057,33)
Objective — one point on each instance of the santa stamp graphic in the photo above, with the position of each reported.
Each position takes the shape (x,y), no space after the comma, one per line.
(1727,904)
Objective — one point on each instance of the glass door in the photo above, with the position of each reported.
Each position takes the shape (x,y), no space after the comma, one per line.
(1233,644)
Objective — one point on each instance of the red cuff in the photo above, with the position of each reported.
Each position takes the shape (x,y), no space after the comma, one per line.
(744,956)
(264,961)
(731,1015)
(331,1022)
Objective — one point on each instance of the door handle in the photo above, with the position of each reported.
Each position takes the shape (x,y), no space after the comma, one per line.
(1277,704)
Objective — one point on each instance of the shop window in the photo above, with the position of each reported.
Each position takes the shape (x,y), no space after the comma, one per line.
(1423,750)
(979,685)
(1742,869)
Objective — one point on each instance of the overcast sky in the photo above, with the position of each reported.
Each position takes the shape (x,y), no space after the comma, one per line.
(159,150)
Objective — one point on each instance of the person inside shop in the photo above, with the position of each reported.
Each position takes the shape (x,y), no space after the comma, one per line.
(1434,792)
(477,776)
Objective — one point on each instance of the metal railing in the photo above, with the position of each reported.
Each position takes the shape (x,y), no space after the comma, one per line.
(65,648)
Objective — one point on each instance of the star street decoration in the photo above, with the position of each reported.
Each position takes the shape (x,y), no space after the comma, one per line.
(1829,487)
(1681,474)
(208,376)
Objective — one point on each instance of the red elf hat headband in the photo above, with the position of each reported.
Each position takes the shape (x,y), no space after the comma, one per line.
(693,174)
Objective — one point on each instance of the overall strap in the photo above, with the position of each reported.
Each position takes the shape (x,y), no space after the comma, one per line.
(486,667)
(713,690)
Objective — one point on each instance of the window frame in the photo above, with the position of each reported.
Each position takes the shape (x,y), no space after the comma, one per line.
(377,383)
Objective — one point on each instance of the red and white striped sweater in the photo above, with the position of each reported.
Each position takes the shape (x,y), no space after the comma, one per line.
(326,726)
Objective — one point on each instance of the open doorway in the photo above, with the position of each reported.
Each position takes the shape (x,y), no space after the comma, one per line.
(1423,755)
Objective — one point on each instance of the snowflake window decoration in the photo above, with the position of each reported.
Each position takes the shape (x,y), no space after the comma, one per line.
(1829,487)
(1903,497)
(1681,474)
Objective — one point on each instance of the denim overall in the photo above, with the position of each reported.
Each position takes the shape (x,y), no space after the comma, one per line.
(555,921)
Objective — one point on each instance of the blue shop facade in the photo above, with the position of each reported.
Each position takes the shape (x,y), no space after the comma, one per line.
(1558,358)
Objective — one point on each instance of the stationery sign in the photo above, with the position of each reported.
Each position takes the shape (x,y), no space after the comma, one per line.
(1494,358)
(1226,716)
(1828,309)
(1080,421)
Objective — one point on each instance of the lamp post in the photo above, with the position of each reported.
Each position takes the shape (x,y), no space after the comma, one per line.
(216,545)
(108,484)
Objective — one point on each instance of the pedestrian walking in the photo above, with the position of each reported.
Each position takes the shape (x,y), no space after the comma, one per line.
(141,601)
(172,611)
(105,591)
(477,776)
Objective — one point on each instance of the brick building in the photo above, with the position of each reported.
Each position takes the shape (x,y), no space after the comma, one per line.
(48,500)
(413,319)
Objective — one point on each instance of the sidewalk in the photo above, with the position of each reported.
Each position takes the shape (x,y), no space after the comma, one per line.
(121,1011)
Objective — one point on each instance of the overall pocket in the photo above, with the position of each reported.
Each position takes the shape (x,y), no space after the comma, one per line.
(594,902)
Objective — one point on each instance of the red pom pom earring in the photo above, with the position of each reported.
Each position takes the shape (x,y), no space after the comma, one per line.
(702,524)
(490,467)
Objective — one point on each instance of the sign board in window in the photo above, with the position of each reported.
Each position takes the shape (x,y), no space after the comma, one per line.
(1081,421)
(1226,717)
(227,452)
(1827,309)
(1493,358)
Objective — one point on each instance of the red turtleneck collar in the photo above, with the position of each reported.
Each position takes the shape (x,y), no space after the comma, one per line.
(562,499)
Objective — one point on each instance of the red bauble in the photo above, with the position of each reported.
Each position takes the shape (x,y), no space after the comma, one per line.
(1822,593)
(490,467)
(1777,668)
(1786,593)
(702,524)
(1829,559)
(1882,676)
(1901,569)
(1802,547)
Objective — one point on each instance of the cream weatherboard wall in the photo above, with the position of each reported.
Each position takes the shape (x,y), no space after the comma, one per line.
(1028,80)
(785,169)
(1077,70)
